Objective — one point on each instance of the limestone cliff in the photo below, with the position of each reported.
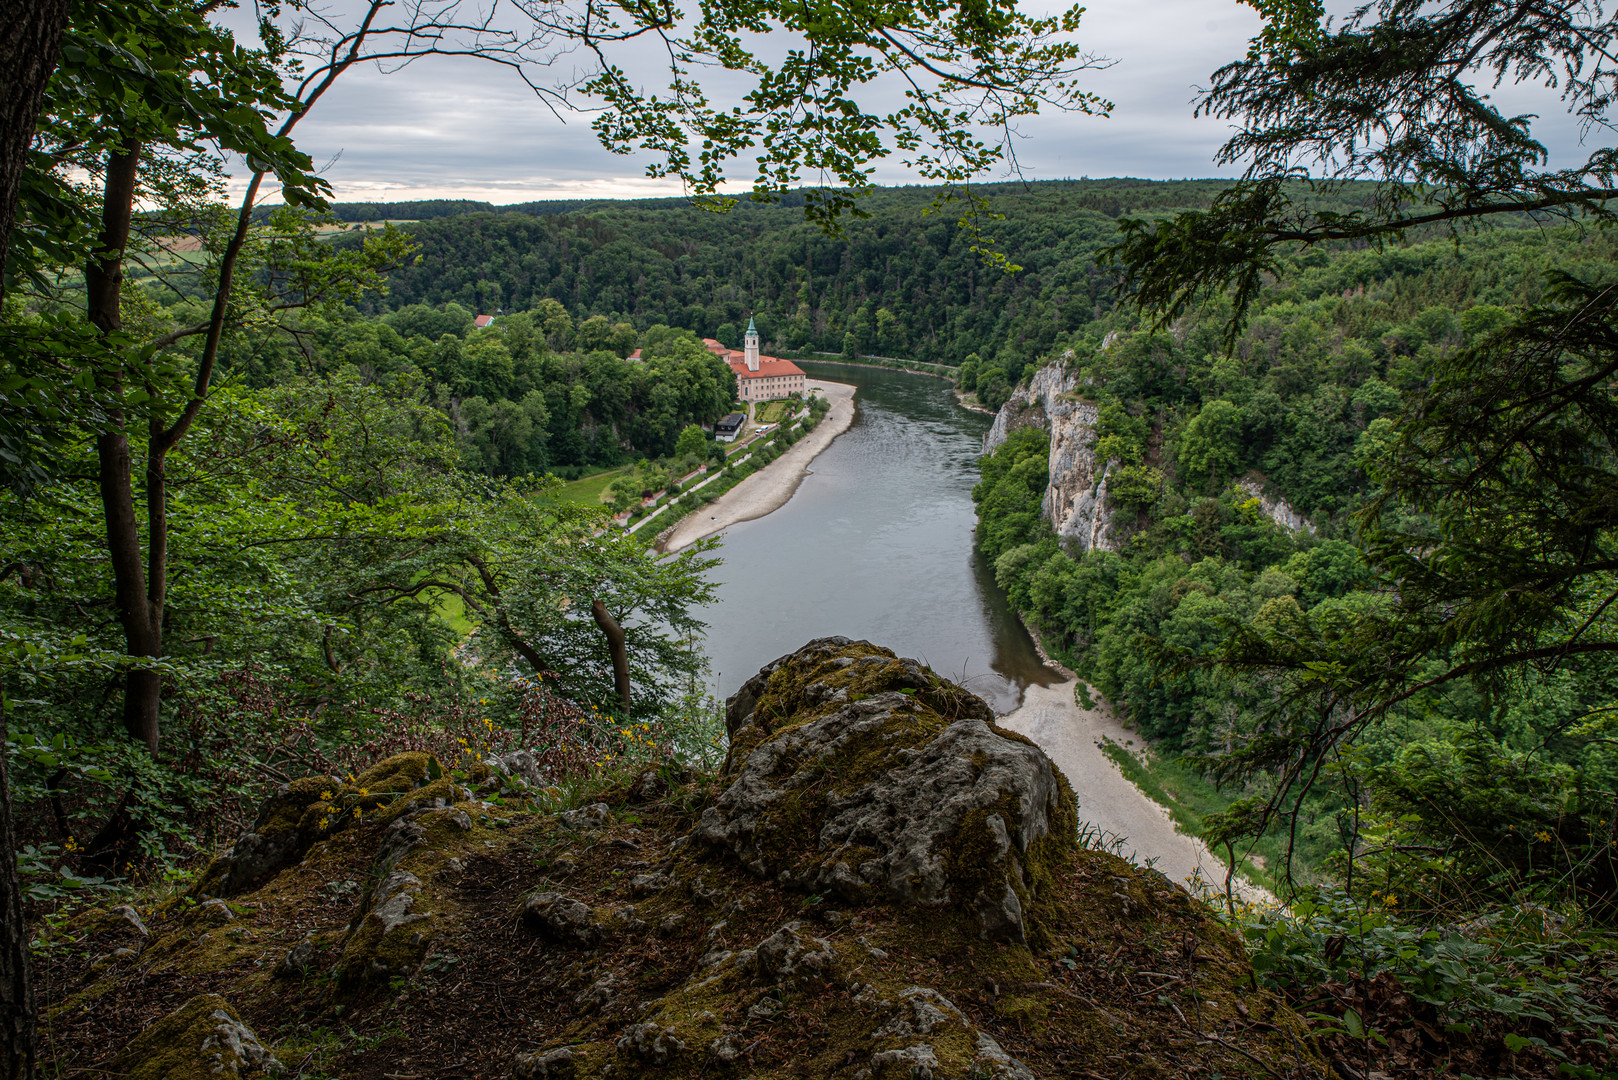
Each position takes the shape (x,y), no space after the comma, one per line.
(1076,497)
(879,884)
(1276,508)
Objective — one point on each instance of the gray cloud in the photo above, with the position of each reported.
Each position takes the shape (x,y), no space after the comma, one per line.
(455,128)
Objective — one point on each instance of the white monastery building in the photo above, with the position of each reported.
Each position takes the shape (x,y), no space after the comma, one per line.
(758,378)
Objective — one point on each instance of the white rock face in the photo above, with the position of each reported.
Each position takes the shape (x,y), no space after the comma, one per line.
(1076,498)
(1277,509)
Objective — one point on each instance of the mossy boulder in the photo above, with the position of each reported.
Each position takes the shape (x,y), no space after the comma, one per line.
(826,673)
(399,773)
(204,1039)
(289,822)
(869,776)
(392,936)
(304,812)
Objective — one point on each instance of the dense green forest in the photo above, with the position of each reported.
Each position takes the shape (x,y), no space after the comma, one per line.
(902,282)
(1459,791)
(530,393)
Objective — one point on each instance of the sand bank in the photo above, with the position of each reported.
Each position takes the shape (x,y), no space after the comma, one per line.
(768,489)
(1072,736)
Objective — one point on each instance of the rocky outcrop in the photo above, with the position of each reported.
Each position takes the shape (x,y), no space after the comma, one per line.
(1075,500)
(1276,508)
(879,884)
(304,812)
(889,783)
(203,1039)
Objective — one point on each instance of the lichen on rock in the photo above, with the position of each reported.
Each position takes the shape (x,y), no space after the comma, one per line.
(562,919)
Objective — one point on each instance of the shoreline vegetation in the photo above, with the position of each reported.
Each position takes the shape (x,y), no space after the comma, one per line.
(1124,817)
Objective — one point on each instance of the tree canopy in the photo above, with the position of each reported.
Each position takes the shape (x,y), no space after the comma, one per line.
(1396,94)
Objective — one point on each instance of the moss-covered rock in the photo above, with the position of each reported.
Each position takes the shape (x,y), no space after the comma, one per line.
(435,794)
(871,777)
(392,936)
(203,1039)
(304,812)
(400,773)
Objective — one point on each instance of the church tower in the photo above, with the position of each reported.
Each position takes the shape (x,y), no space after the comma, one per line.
(750,349)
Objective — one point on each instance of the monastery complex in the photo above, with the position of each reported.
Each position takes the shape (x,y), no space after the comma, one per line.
(758,378)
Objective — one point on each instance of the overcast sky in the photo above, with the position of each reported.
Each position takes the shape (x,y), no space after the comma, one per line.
(448,128)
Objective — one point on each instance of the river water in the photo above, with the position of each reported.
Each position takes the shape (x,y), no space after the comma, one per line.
(876,544)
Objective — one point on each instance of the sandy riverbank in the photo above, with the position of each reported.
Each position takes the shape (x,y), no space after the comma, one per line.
(1072,736)
(770,488)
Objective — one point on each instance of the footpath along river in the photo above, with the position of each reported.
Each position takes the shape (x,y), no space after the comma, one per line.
(876,543)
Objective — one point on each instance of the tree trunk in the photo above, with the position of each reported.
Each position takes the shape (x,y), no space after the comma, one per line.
(618,645)
(18,1038)
(142,621)
(30,38)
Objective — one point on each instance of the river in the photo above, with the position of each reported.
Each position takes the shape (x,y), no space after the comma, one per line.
(877,544)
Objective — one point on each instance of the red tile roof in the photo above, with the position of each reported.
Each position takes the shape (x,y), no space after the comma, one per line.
(769,367)
(482,320)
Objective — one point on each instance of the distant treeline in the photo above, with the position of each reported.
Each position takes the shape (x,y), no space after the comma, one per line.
(904,281)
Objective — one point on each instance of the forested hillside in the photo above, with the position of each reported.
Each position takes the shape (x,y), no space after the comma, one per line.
(1302,406)
(527,395)
(904,281)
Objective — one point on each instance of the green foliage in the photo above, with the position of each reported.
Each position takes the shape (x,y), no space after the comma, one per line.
(1211,444)
(1134,486)
(519,407)
(317,523)
(693,442)
(1009,495)
(1521,979)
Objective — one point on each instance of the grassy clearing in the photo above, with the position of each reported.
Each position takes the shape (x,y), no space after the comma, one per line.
(452,610)
(591,490)
(773,412)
